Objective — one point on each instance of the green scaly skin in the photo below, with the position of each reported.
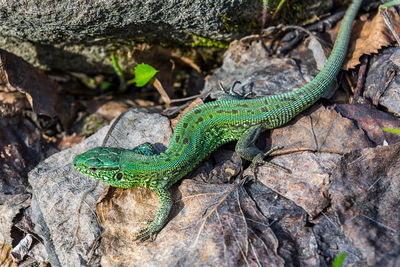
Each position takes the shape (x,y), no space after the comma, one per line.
(205,128)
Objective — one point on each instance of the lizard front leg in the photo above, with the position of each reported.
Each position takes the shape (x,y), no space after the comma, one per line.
(145,149)
(162,215)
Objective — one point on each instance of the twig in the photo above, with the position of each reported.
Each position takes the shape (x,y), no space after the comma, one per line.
(190,97)
(294,150)
(92,249)
(361,78)
(379,223)
(90,189)
(163,93)
(293,38)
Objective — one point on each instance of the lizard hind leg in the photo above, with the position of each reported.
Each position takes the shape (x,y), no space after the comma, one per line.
(246,148)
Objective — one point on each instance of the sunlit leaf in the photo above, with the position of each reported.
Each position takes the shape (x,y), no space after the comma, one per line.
(143,74)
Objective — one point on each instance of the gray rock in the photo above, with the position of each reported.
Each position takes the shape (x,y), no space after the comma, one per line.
(75,21)
(78,36)
(58,188)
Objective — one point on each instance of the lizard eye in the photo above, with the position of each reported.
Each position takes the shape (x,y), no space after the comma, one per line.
(118,175)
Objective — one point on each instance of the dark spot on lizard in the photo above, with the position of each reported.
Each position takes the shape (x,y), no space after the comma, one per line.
(185,141)
(234,111)
(242,105)
(199,120)
(264,109)
(177,155)
(220,111)
(197,111)
(185,125)
(167,160)
(291,99)
(211,116)
(177,138)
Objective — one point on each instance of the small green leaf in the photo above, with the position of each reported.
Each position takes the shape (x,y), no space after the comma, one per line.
(143,74)
(339,259)
(104,86)
(396,131)
(116,66)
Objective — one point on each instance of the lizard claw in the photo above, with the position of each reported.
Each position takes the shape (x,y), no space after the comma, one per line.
(144,233)
(232,94)
(229,91)
(259,160)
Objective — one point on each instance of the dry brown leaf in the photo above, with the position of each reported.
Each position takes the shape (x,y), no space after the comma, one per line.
(18,75)
(195,103)
(364,198)
(5,256)
(370,34)
(70,141)
(12,102)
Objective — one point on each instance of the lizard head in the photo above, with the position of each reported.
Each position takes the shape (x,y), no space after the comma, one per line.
(105,164)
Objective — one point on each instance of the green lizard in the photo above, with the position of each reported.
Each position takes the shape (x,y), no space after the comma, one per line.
(205,128)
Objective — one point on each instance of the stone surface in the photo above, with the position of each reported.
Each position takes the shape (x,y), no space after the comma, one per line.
(78,36)
(57,190)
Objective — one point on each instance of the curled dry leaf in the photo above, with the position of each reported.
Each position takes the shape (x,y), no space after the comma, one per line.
(371,121)
(70,141)
(370,34)
(322,131)
(364,197)
(12,102)
(18,75)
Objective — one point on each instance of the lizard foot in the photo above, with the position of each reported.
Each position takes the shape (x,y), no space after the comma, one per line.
(147,232)
(259,160)
(231,94)
(161,218)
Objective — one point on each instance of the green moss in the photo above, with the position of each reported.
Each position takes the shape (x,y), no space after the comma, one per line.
(200,41)
(227,22)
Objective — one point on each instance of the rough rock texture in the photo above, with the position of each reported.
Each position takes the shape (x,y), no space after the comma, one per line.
(58,190)
(76,21)
(78,35)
